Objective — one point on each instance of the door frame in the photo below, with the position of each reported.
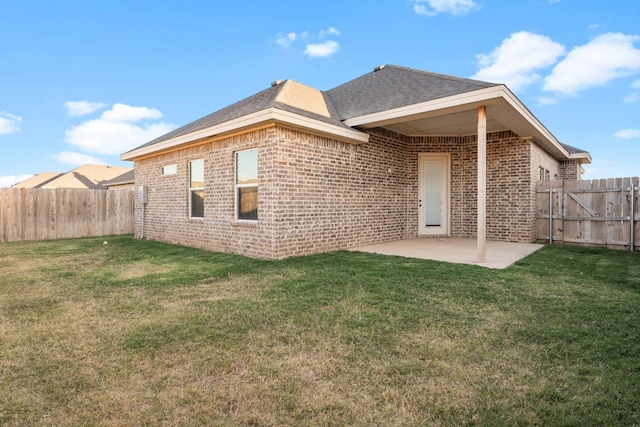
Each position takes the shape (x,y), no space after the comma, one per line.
(444,228)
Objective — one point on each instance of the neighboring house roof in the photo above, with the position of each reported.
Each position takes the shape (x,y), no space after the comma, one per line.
(38,180)
(410,102)
(127,178)
(87,176)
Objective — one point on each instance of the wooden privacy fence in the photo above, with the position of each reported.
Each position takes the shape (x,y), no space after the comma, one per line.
(599,212)
(38,213)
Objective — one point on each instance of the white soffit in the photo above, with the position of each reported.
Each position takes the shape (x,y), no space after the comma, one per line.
(457,115)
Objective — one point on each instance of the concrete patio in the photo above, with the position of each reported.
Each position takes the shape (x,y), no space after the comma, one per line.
(461,251)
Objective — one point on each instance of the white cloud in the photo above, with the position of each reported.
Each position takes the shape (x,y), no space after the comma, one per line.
(77,159)
(116,131)
(605,58)
(9,180)
(628,133)
(517,59)
(81,108)
(127,113)
(636,84)
(9,123)
(286,40)
(455,7)
(325,49)
(332,31)
(322,49)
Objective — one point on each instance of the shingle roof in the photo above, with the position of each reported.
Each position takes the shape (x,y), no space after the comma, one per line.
(129,177)
(87,176)
(392,86)
(258,102)
(38,180)
(573,150)
(386,88)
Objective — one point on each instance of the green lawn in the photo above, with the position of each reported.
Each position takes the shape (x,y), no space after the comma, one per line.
(142,333)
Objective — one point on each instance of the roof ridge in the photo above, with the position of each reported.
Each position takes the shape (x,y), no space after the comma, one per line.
(442,76)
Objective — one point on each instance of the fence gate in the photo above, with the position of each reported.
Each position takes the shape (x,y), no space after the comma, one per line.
(601,212)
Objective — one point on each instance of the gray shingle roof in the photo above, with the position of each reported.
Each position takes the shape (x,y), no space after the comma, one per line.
(390,87)
(127,177)
(393,87)
(258,102)
(573,150)
(384,89)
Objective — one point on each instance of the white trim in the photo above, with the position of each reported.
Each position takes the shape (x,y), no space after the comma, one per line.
(458,103)
(171,169)
(443,229)
(524,112)
(424,107)
(582,157)
(268,115)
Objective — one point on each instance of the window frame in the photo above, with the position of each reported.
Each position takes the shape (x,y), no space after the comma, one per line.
(192,190)
(168,170)
(238,187)
(544,174)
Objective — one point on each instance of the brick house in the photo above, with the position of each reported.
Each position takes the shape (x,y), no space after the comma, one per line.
(396,153)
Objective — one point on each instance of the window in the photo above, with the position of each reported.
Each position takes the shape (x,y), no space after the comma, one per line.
(544,174)
(196,188)
(169,170)
(247,185)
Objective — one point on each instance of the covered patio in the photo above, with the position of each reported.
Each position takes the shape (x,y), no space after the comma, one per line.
(489,109)
(499,255)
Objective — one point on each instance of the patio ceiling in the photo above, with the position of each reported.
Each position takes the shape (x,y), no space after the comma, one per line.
(457,116)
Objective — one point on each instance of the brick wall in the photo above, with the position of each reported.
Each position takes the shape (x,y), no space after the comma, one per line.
(510,184)
(167,212)
(317,194)
(333,195)
(570,170)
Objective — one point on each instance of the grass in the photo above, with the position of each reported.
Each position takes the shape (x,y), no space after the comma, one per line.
(143,333)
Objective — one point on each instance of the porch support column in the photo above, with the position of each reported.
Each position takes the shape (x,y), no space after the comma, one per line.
(482,184)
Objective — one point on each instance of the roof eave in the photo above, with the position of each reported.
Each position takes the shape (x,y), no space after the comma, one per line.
(466,101)
(449,102)
(263,117)
(583,158)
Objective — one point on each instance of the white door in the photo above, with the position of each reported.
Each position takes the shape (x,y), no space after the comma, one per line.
(433,194)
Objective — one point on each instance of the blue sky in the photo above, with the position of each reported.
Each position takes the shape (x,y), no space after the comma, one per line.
(83,81)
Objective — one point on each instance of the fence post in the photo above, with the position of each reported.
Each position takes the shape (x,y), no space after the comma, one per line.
(551,214)
(633,215)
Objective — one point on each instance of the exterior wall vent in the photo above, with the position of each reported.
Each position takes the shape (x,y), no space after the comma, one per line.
(378,68)
(277,83)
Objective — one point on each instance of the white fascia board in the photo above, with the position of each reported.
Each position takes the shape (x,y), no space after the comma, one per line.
(267,115)
(473,99)
(524,112)
(582,157)
(477,96)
